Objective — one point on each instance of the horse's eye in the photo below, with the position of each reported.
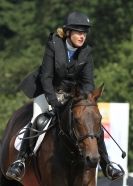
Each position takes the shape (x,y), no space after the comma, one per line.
(100,117)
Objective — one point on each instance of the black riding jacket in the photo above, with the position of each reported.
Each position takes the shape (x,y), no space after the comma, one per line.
(57,73)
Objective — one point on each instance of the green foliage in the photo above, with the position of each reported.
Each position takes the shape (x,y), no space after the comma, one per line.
(9,104)
(25,26)
(117,77)
(113,20)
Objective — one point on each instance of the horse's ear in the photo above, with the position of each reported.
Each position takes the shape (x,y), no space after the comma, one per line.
(98,92)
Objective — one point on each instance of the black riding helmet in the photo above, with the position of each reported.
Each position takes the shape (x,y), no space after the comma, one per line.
(77,21)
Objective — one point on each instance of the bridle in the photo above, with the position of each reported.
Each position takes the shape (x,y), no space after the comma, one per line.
(71,140)
(88,135)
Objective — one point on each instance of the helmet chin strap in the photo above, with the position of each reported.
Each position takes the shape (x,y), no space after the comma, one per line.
(70,44)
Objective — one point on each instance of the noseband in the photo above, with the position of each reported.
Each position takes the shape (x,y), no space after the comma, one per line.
(97,135)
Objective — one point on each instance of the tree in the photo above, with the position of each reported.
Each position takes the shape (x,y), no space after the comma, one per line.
(117,77)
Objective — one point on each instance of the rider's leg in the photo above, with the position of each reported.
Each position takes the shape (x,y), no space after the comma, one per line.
(105,163)
(17,169)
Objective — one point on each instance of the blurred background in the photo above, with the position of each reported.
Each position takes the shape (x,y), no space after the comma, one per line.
(24,28)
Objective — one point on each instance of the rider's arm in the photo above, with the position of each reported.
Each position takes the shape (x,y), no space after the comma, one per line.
(47,72)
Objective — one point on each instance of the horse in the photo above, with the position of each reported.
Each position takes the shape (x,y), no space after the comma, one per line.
(68,154)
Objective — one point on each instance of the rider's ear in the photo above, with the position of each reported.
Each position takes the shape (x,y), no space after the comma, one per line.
(98,92)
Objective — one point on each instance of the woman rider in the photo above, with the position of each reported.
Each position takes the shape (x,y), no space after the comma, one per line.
(67,62)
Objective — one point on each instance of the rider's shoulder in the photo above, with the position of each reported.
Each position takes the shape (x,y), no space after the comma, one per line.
(53,37)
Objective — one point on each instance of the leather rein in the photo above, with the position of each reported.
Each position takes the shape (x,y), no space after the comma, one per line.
(71,141)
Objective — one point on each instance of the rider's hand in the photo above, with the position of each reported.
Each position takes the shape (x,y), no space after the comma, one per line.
(56,106)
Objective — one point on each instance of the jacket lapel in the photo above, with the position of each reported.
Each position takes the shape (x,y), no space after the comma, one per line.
(61,58)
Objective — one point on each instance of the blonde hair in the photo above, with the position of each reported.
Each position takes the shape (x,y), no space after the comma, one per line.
(60,32)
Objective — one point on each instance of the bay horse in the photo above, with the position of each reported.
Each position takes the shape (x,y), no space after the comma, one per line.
(68,155)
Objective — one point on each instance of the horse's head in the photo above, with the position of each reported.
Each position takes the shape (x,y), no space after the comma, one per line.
(87,125)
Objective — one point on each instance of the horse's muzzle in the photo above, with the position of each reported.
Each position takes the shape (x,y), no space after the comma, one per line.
(91,162)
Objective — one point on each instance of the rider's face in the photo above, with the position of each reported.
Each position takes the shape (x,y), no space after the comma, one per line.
(77,38)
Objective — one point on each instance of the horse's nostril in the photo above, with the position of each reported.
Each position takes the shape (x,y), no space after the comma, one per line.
(87,158)
(93,160)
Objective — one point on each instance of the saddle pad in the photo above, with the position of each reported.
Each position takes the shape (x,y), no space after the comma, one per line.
(19,138)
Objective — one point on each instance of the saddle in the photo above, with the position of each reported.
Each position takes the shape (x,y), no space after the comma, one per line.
(37,131)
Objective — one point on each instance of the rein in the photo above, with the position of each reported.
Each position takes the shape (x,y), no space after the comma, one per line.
(87,104)
(34,130)
(70,138)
